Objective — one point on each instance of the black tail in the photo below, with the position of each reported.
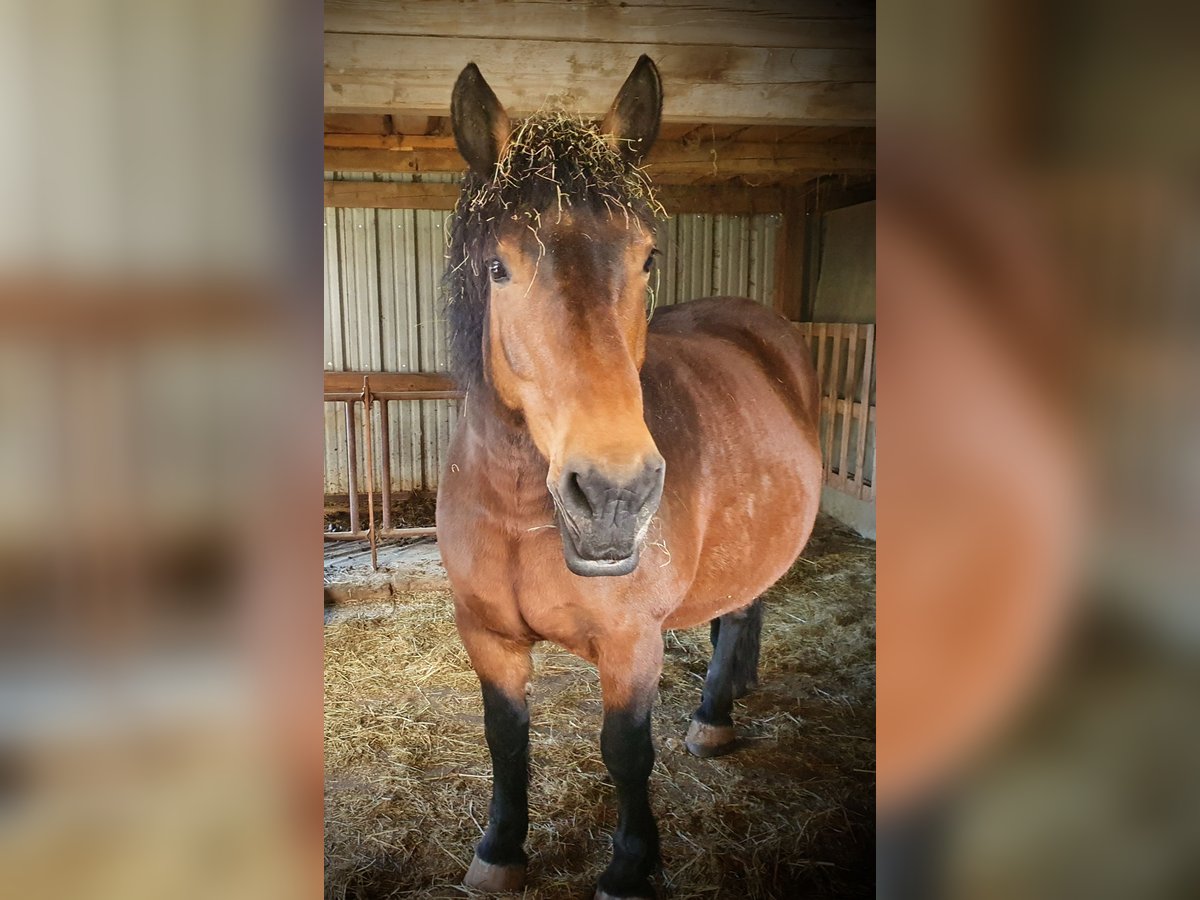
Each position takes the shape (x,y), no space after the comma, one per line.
(745,655)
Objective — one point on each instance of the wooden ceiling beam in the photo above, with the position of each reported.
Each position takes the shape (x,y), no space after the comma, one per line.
(742,85)
(814,24)
(702,159)
(731,199)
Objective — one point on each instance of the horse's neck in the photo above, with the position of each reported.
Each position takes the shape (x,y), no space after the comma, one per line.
(504,450)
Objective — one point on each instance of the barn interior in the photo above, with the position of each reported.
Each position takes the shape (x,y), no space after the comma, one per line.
(765,165)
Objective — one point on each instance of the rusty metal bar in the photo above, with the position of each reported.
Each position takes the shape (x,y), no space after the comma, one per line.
(387,382)
(352,464)
(367,433)
(397,395)
(390,533)
(367,387)
(385,464)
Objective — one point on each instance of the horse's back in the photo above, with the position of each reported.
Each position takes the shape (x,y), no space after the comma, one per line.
(763,337)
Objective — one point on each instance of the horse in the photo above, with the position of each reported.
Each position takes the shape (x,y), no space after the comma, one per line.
(610,477)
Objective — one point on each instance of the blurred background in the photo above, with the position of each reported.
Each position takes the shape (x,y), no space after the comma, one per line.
(1039,633)
(160,296)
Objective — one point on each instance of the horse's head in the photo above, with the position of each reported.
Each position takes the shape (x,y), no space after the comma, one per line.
(555,236)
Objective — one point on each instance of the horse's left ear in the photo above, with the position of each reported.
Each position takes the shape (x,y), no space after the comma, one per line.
(637,111)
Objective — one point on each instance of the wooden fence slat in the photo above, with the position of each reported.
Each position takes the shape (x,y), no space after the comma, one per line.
(847,410)
(864,399)
(821,385)
(833,390)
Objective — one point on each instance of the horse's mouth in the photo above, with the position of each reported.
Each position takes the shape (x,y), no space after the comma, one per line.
(592,567)
(592,561)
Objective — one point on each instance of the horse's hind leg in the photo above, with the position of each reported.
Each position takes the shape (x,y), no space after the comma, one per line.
(745,653)
(732,672)
(504,668)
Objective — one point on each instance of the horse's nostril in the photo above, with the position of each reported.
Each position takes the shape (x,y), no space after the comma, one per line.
(575,495)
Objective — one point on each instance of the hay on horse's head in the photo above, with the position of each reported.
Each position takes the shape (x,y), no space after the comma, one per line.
(551,163)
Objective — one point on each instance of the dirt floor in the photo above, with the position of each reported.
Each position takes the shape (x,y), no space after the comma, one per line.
(789,814)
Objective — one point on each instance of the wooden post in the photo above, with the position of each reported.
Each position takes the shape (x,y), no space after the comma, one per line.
(790,261)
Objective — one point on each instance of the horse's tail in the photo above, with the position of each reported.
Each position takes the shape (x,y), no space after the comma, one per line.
(745,655)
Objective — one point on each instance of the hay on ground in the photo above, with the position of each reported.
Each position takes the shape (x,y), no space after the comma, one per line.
(789,814)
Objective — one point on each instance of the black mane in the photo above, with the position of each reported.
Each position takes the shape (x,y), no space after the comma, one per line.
(551,161)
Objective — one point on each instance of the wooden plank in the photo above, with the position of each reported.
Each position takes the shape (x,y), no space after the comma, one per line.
(403,153)
(783,264)
(729,199)
(822,383)
(353,124)
(725,160)
(789,257)
(720,198)
(864,397)
(395,141)
(390,195)
(409,160)
(856,409)
(373,73)
(847,388)
(869,493)
(832,391)
(779,23)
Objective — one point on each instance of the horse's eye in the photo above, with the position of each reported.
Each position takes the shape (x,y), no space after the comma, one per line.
(650,261)
(496,270)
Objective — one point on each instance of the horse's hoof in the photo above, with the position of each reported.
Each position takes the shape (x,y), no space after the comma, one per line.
(705,740)
(494,879)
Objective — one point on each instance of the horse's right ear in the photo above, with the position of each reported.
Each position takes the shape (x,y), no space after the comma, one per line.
(481,126)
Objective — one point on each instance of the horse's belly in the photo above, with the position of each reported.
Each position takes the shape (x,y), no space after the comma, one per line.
(759,520)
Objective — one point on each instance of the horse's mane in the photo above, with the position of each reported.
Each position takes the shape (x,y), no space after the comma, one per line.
(551,162)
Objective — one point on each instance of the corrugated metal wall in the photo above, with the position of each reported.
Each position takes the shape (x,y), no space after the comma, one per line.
(383,271)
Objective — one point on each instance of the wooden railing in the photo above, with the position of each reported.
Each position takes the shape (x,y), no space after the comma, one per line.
(844,356)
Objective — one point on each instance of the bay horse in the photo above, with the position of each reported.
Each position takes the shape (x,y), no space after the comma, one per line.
(610,478)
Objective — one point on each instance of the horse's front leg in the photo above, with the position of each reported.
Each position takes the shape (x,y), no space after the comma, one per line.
(503,667)
(629,669)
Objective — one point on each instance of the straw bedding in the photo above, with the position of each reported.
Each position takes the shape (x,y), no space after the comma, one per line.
(789,814)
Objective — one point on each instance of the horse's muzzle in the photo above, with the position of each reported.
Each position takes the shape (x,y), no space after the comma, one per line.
(602,520)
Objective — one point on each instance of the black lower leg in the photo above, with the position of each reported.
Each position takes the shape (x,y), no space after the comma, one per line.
(745,655)
(724,681)
(506,723)
(628,753)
